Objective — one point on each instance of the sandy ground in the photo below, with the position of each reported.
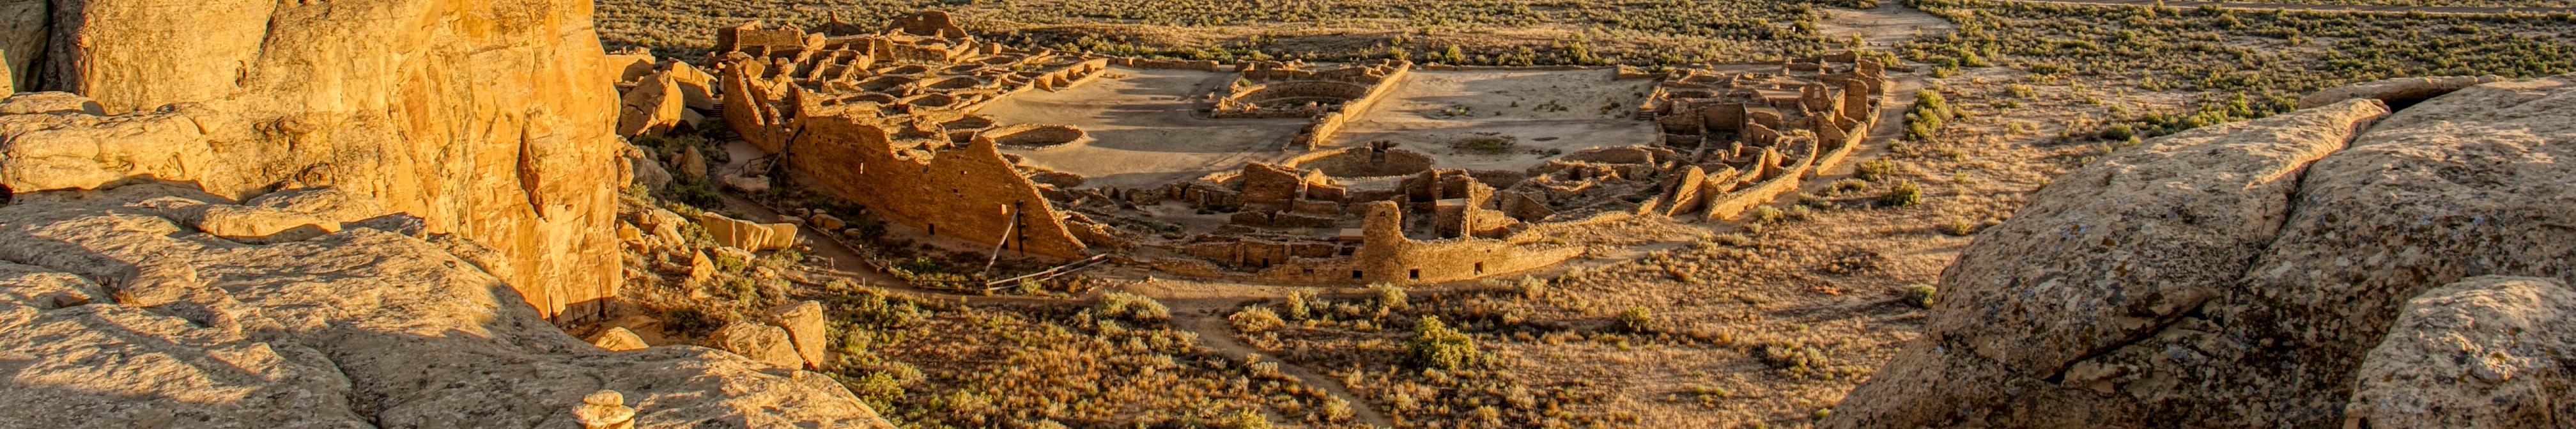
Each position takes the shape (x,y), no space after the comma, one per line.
(1885,27)
(1143,129)
(1432,110)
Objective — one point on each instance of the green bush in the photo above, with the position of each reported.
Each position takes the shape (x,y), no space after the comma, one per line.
(1636,319)
(1388,297)
(1905,193)
(1435,346)
(1874,169)
(1919,295)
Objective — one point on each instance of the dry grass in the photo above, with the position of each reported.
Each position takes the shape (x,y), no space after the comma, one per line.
(1483,31)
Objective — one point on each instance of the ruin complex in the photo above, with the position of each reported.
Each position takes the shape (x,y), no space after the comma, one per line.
(891,119)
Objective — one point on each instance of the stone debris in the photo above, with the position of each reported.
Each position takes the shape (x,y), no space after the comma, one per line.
(747,235)
(618,339)
(760,342)
(604,409)
(806,327)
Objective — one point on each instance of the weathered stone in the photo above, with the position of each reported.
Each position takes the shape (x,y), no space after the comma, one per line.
(2213,296)
(488,118)
(745,235)
(651,108)
(764,343)
(664,224)
(355,329)
(331,204)
(701,269)
(48,102)
(747,184)
(697,88)
(692,164)
(2483,353)
(261,225)
(618,339)
(646,171)
(604,409)
(805,326)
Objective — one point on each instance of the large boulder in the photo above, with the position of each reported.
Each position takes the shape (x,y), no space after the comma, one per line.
(747,235)
(2209,279)
(354,329)
(764,343)
(2484,353)
(652,108)
(492,119)
(805,326)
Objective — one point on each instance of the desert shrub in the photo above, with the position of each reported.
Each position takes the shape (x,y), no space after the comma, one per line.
(878,389)
(1131,307)
(1245,419)
(1905,193)
(1532,287)
(1255,319)
(1959,226)
(1874,169)
(1435,346)
(1794,358)
(1296,305)
(1388,297)
(1636,319)
(1923,120)
(1767,214)
(1919,295)
(690,321)
(1732,240)
(1847,185)
(1486,145)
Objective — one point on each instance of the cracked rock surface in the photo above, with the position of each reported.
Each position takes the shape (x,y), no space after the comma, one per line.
(116,314)
(2241,275)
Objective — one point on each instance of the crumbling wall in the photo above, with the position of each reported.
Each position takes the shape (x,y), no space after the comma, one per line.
(970,192)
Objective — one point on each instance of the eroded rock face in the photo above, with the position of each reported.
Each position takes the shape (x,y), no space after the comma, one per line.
(2242,292)
(2487,352)
(359,328)
(491,119)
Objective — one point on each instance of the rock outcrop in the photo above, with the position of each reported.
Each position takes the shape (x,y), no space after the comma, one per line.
(358,328)
(490,119)
(2241,276)
(2487,352)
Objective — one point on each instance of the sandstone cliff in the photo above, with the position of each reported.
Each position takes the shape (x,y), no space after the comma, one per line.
(2273,273)
(122,309)
(490,119)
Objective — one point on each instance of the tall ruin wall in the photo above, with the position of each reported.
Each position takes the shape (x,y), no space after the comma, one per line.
(971,192)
